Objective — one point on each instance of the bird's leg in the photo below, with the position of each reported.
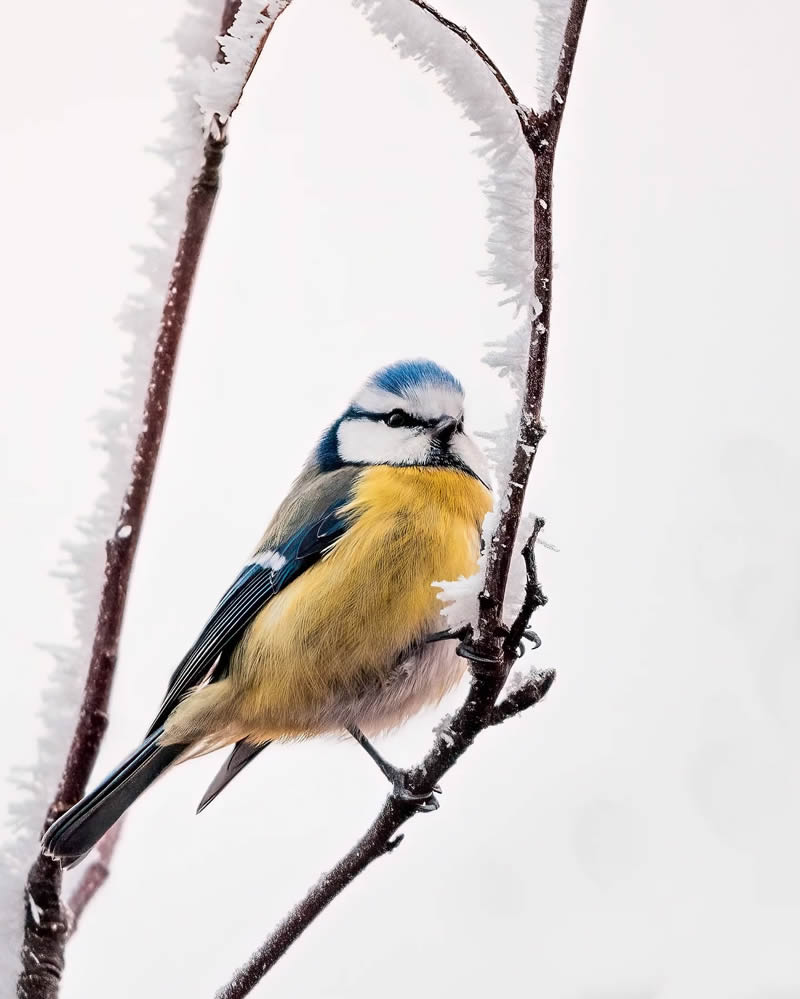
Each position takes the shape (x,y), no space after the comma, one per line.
(392,774)
(446,635)
(395,776)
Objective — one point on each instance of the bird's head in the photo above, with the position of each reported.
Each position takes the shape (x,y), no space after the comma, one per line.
(409,413)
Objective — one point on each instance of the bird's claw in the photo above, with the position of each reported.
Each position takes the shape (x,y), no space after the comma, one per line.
(466,651)
(424,802)
(533,638)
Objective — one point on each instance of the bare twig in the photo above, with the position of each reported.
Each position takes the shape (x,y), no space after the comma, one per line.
(491,648)
(47,923)
(529,692)
(379,839)
(94,877)
(534,598)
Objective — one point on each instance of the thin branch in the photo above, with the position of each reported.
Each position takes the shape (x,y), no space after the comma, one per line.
(542,136)
(491,654)
(566,62)
(45,933)
(280,6)
(379,839)
(47,923)
(527,693)
(533,598)
(95,876)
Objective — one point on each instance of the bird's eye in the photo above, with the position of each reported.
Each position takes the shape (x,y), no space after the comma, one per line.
(397,418)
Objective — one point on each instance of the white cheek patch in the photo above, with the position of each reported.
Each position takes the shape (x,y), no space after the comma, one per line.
(465,448)
(372,442)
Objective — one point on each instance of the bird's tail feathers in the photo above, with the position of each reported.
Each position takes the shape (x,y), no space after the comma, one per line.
(243,753)
(75,832)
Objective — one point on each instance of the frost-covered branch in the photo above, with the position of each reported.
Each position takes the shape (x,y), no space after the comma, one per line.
(206,99)
(221,83)
(490,644)
(541,133)
(479,51)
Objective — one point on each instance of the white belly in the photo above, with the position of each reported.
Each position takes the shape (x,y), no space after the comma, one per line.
(422,680)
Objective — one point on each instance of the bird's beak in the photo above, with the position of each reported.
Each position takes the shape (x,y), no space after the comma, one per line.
(444,430)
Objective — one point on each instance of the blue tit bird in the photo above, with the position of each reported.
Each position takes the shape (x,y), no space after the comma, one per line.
(326,629)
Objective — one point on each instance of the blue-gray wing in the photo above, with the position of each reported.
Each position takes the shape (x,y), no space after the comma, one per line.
(270,571)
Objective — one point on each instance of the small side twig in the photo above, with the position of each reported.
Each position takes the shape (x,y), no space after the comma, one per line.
(533,598)
(94,877)
(529,692)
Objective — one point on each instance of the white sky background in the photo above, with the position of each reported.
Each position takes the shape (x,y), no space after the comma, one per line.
(633,837)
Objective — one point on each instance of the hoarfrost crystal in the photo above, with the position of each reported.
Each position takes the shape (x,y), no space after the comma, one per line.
(509,189)
(119,425)
(220,84)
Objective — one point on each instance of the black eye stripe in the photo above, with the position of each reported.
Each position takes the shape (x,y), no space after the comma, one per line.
(407,420)
(400,418)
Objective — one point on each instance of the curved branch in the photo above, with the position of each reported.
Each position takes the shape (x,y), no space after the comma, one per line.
(542,136)
(489,646)
(46,931)
(480,52)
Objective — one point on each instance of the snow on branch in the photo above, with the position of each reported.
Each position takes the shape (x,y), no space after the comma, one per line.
(551,22)
(472,85)
(483,95)
(220,84)
(118,425)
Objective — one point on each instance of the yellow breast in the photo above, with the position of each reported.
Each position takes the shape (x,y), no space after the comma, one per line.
(348,618)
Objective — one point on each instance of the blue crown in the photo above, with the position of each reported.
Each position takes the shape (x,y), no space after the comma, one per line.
(405,376)
(400,379)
